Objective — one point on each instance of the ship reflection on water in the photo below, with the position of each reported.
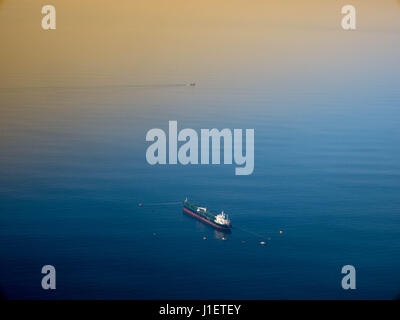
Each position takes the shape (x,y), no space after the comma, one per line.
(221,235)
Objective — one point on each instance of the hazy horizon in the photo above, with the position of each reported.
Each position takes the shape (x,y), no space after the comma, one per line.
(235,43)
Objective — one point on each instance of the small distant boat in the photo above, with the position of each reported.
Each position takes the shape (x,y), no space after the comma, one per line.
(219,221)
(192,84)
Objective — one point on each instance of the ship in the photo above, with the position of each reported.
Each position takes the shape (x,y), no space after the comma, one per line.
(219,221)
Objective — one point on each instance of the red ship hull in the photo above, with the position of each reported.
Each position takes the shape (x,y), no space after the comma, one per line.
(205,220)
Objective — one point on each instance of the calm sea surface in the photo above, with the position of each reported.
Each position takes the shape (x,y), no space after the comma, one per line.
(73,170)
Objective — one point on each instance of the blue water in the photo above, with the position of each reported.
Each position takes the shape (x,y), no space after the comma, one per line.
(73,170)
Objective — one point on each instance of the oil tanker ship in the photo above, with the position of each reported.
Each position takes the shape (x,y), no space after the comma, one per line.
(219,221)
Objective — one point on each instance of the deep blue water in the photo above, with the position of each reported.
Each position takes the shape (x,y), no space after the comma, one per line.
(73,169)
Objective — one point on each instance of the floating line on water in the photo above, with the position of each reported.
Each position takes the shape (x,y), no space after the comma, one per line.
(149,204)
(249,232)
